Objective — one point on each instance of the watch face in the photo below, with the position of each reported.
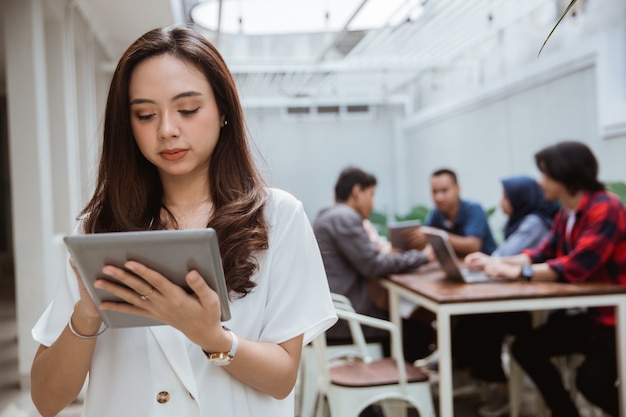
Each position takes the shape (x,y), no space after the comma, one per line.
(527,271)
(221,361)
(220,358)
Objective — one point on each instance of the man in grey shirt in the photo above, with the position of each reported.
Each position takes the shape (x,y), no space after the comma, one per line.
(351,259)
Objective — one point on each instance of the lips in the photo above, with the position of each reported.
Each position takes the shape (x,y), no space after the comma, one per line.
(173,154)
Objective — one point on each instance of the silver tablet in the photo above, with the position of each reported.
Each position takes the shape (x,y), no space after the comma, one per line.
(398,230)
(173,253)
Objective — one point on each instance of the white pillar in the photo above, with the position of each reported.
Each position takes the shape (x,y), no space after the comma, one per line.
(30,165)
(401,160)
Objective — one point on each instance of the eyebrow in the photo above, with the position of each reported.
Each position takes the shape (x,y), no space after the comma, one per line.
(176,97)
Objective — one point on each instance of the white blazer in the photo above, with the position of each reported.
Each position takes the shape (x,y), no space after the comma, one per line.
(157,371)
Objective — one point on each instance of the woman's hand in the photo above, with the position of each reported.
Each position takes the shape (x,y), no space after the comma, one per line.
(476,261)
(86,319)
(497,268)
(147,293)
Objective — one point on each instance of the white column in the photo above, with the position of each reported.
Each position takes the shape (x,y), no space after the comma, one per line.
(30,165)
(402,182)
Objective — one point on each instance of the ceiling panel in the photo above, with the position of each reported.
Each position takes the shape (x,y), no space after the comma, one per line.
(376,65)
(117,23)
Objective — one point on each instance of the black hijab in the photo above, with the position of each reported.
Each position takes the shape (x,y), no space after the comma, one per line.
(526,197)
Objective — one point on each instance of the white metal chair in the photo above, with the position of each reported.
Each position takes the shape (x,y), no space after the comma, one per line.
(353,384)
(307,386)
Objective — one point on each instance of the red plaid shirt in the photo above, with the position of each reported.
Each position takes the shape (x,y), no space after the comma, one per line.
(595,249)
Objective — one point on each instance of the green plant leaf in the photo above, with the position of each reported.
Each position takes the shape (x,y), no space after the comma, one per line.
(567,9)
(419,212)
(379,220)
(618,188)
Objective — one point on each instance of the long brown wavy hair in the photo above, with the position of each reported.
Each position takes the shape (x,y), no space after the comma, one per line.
(128,193)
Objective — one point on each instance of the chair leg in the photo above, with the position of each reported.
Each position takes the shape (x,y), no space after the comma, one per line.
(322,408)
(308,383)
(516,387)
(394,408)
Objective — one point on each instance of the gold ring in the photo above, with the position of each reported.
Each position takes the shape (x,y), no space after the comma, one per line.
(145,296)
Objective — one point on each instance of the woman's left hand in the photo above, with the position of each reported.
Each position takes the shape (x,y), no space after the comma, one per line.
(497,268)
(149,294)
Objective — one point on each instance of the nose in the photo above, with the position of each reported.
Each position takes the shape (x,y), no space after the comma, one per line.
(168,128)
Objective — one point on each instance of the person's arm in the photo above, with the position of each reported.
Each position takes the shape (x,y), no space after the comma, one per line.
(351,241)
(597,233)
(529,233)
(464,245)
(268,367)
(475,227)
(58,372)
(511,267)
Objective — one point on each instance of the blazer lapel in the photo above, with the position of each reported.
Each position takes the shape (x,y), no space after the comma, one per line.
(175,348)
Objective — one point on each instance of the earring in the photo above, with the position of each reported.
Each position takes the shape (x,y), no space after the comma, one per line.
(225,122)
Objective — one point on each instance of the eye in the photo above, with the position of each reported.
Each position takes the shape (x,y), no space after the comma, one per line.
(144,117)
(189,112)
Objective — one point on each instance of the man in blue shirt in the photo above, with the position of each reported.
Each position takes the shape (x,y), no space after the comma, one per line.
(464,220)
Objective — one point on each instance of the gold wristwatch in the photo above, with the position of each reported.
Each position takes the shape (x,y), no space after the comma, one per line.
(224,358)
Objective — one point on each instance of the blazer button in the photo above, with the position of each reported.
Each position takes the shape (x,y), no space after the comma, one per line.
(163,397)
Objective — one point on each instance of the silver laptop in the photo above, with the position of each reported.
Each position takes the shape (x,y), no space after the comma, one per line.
(449,262)
(397,230)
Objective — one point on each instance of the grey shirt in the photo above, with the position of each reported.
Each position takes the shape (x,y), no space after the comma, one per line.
(350,258)
(528,235)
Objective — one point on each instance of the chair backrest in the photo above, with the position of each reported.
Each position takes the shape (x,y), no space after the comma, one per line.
(341,301)
(358,350)
(355,321)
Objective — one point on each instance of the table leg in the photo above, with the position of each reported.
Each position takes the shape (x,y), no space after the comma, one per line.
(444,345)
(394,309)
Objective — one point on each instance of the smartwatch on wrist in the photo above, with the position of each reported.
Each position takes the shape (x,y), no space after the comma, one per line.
(224,358)
(526,274)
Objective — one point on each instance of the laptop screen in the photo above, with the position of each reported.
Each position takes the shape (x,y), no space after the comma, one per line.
(445,254)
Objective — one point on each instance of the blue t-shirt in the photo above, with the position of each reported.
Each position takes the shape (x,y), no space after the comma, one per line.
(470,221)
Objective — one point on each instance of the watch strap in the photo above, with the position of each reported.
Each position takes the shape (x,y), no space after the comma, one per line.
(526,272)
(224,358)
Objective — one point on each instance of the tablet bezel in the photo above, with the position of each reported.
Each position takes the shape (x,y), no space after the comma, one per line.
(173,253)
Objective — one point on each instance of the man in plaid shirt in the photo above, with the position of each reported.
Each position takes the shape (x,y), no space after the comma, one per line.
(587,243)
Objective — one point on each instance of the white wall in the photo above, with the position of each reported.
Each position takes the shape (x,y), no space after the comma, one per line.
(497,139)
(305,157)
(495,132)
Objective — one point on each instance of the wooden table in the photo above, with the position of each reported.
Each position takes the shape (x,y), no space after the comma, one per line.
(429,288)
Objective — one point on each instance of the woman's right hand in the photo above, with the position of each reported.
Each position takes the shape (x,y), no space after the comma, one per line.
(476,261)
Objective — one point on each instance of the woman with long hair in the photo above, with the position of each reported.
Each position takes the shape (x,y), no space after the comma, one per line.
(175,155)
